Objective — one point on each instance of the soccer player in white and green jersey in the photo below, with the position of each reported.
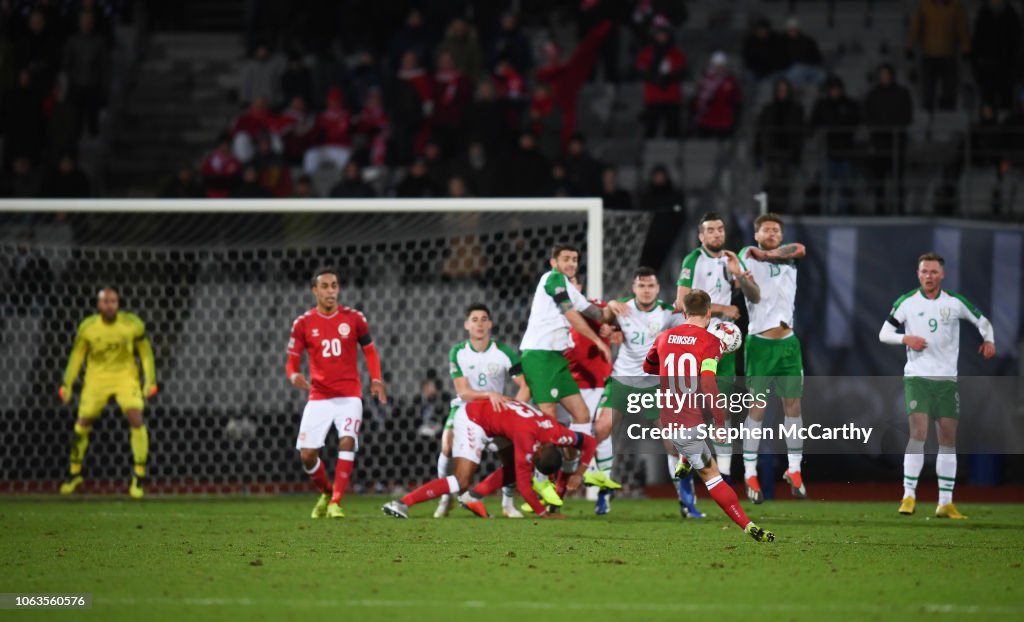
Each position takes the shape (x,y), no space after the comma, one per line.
(556,306)
(772,350)
(478,367)
(931,318)
(713,269)
(641,317)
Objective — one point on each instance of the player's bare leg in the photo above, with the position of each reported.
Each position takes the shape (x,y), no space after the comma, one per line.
(945,467)
(794,447)
(140,451)
(443,458)
(913,460)
(79,443)
(755,417)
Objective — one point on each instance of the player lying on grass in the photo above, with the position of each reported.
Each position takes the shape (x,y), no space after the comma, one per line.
(686,357)
(526,439)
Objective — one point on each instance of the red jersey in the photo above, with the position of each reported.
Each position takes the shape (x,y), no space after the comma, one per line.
(589,369)
(527,428)
(331,343)
(691,352)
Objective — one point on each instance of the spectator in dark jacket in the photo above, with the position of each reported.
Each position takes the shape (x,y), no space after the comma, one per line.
(250,187)
(995,52)
(453,91)
(23,180)
(764,51)
(416,184)
(297,80)
(888,112)
(661,66)
(612,195)
(479,171)
(529,172)
(669,207)
(183,186)
(802,55)
(779,143)
(87,65)
(352,185)
(38,50)
(510,43)
(23,120)
(584,170)
(67,181)
(838,117)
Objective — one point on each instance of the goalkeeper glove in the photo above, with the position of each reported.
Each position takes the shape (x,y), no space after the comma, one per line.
(66,394)
(150,389)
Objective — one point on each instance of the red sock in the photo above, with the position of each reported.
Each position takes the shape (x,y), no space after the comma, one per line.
(430,490)
(560,483)
(342,473)
(490,484)
(726,498)
(319,478)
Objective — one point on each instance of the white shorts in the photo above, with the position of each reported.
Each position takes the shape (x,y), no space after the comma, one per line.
(695,450)
(591,397)
(346,413)
(470,440)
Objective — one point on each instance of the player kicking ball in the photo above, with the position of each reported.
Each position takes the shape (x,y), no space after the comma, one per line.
(329,334)
(686,355)
(526,438)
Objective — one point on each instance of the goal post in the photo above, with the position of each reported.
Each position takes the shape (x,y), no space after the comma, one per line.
(219,282)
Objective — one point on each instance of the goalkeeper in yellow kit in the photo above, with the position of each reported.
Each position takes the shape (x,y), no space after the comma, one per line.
(107,342)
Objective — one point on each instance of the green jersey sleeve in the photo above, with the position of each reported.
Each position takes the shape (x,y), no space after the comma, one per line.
(687,269)
(453,360)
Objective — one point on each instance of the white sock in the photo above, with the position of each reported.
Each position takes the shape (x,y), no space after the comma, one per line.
(945,468)
(453,484)
(913,462)
(723,454)
(604,459)
(582,428)
(794,446)
(508,494)
(750,447)
(570,466)
(442,465)
(673,462)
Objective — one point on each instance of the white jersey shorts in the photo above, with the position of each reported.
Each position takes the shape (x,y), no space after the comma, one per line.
(469,440)
(345,413)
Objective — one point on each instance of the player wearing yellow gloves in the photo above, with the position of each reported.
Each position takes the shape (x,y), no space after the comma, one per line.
(107,342)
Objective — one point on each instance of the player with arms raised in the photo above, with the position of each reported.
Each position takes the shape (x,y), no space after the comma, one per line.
(686,356)
(329,334)
(772,350)
(478,367)
(526,438)
(930,317)
(107,342)
(713,269)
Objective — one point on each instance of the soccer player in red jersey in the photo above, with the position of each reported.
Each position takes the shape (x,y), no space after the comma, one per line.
(526,439)
(329,334)
(687,356)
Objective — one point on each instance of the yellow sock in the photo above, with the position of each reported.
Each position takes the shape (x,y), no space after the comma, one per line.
(79,443)
(140,449)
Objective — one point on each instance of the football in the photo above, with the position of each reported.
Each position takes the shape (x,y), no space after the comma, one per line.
(730,335)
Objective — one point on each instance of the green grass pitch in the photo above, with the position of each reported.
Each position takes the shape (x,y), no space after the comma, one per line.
(265,559)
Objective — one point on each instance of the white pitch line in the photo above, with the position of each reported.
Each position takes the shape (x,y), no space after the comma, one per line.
(948,608)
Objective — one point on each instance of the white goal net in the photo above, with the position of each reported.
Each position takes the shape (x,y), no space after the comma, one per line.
(219,284)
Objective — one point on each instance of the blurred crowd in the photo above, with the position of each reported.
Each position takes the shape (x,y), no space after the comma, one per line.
(54,81)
